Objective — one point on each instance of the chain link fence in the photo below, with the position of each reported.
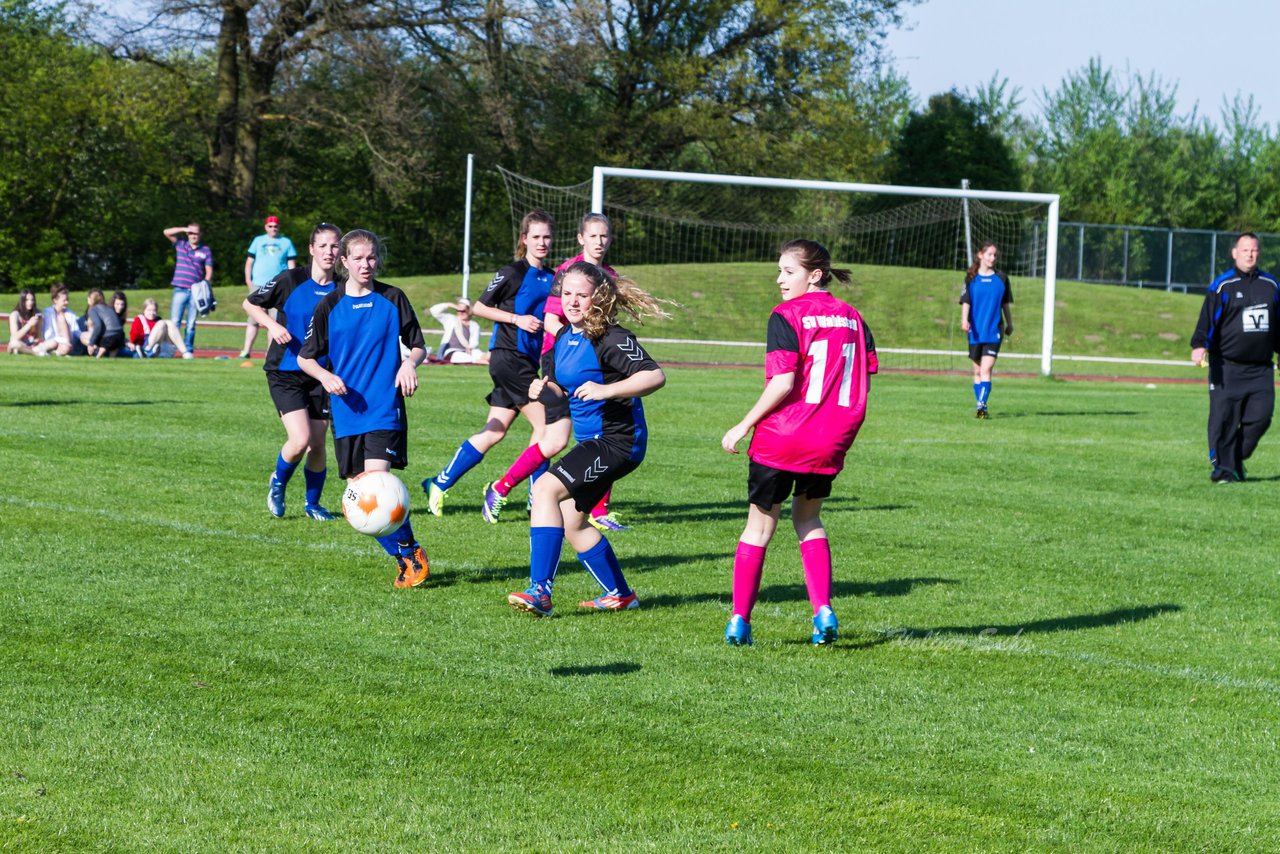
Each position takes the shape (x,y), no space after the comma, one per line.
(1175,259)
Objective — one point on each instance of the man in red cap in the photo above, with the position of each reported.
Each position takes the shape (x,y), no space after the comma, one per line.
(270,255)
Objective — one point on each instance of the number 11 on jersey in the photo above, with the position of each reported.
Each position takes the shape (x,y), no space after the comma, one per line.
(818,373)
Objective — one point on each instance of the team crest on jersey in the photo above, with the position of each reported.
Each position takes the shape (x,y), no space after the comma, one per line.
(631,349)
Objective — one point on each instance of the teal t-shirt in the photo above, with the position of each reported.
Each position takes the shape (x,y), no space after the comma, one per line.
(270,257)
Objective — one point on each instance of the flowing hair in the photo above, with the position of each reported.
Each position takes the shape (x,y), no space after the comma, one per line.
(812,255)
(609,294)
(21,307)
(124,312)
(972,272)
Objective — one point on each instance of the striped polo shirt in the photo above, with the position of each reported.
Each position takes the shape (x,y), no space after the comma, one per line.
(190,263)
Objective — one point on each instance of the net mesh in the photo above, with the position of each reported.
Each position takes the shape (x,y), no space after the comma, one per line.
(663,228)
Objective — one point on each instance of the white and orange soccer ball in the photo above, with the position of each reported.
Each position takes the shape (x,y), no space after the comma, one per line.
(375,503)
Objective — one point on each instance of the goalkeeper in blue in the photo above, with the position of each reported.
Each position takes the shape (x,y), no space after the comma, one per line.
(985,301)
(604,372)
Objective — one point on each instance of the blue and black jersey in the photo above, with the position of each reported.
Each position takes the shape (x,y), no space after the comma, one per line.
(576,359)
(519,288)
(294,295)
(986,296)
(1238,320)
(361,336)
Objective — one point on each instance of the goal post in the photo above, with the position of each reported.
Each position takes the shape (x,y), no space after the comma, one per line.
(1050,239)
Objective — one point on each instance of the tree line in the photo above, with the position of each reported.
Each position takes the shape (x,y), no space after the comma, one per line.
(362,113)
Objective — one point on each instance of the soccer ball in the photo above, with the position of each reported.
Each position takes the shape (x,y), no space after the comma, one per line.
(375,503)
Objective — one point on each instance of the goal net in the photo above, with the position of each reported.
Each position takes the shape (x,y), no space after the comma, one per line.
(711,244)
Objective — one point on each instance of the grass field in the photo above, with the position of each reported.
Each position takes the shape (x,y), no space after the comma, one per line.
(906,308)
(1057,635)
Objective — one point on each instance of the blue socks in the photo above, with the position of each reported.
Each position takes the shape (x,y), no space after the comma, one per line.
(982,391)
(603,565)
(285,470)
(466,458)
(544,555)
(315,485)
(402,540)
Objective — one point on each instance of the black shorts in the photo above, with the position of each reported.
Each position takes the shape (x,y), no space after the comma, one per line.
(109,341)
(590,469)
(294,390)
(557,408)
(512,375)
(977,351)
(352,451)
(767,486)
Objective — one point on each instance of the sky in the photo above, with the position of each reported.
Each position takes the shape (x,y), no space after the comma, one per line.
(1035,44)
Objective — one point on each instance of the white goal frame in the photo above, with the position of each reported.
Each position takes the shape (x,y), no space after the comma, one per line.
(600,173)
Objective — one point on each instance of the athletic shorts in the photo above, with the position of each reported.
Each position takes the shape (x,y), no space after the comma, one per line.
(512,375)
(294,390)
(352,451)
(767,486)
(557,408)
(977,351)
(590,469)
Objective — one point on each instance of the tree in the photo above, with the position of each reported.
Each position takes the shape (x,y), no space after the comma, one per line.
(951,141)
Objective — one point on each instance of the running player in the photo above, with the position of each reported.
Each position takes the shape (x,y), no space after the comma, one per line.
(300,400)
(360,328)
(603,372)
(594,236)
(985,297)
(515,301)
(818,362)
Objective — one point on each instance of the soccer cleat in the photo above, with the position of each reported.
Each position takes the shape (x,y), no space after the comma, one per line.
(980,413)
(275,497)
(738,632)
(825,628)
(435,497)
(493,504)
(535,600)
(188,355)
(413,568)
(612,602)
(315,511)
(606,523)
(243,354)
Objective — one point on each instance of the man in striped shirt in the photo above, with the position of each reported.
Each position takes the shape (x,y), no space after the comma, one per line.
(193,262)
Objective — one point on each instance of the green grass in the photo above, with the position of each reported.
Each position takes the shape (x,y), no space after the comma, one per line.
(906,309)
(1057,635)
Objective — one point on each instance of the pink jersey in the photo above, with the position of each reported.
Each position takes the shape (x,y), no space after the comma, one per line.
(827,345)
(555,307)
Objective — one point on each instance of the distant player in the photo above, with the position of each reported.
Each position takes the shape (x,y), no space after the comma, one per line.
(300,400)
(1238,333)
(514,301)
(818,365)
(603,372)
(360,328)
(984,301)
(269,255)
(594,236)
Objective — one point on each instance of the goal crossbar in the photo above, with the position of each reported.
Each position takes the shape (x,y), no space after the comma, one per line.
(600,173)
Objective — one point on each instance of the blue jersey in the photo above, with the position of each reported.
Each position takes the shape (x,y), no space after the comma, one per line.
(576,359)
(361,336)
(520,289)
(271,257)
(294,295)
(986,296)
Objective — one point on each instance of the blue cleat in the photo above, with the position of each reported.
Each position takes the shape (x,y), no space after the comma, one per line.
(315,511)
(738,632)
(435,497)
(536,600)
(275,498)
(493,504)
(825,628)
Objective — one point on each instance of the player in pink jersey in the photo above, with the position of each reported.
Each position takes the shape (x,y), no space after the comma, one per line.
(594,236)
(818,365)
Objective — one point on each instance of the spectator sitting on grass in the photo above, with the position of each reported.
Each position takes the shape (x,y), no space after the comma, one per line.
(26,327)
(151,336)
(61,325)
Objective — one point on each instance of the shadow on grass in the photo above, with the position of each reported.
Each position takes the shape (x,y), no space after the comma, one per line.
(1114,617)
(28,403)
(1097,413)
(647,512)
(616,668)
(797,592)
(520,572)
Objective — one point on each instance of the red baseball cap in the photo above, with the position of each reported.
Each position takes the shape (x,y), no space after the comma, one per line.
(273,220)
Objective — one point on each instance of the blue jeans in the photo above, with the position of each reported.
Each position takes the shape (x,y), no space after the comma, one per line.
(183,305)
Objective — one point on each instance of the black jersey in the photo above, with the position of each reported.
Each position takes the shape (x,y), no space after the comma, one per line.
(520,289)
(1238,320)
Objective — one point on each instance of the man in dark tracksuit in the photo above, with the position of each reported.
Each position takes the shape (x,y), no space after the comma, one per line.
(1238,333)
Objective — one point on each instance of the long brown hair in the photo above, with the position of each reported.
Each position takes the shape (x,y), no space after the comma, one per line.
(608,294)
(973,268)
(812,255)
(535,215)
(21,307)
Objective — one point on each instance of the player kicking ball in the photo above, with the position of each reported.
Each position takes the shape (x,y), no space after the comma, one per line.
(603,371)
(819,358)
(360,327)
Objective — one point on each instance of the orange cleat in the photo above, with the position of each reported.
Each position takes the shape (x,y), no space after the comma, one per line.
(413,568)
